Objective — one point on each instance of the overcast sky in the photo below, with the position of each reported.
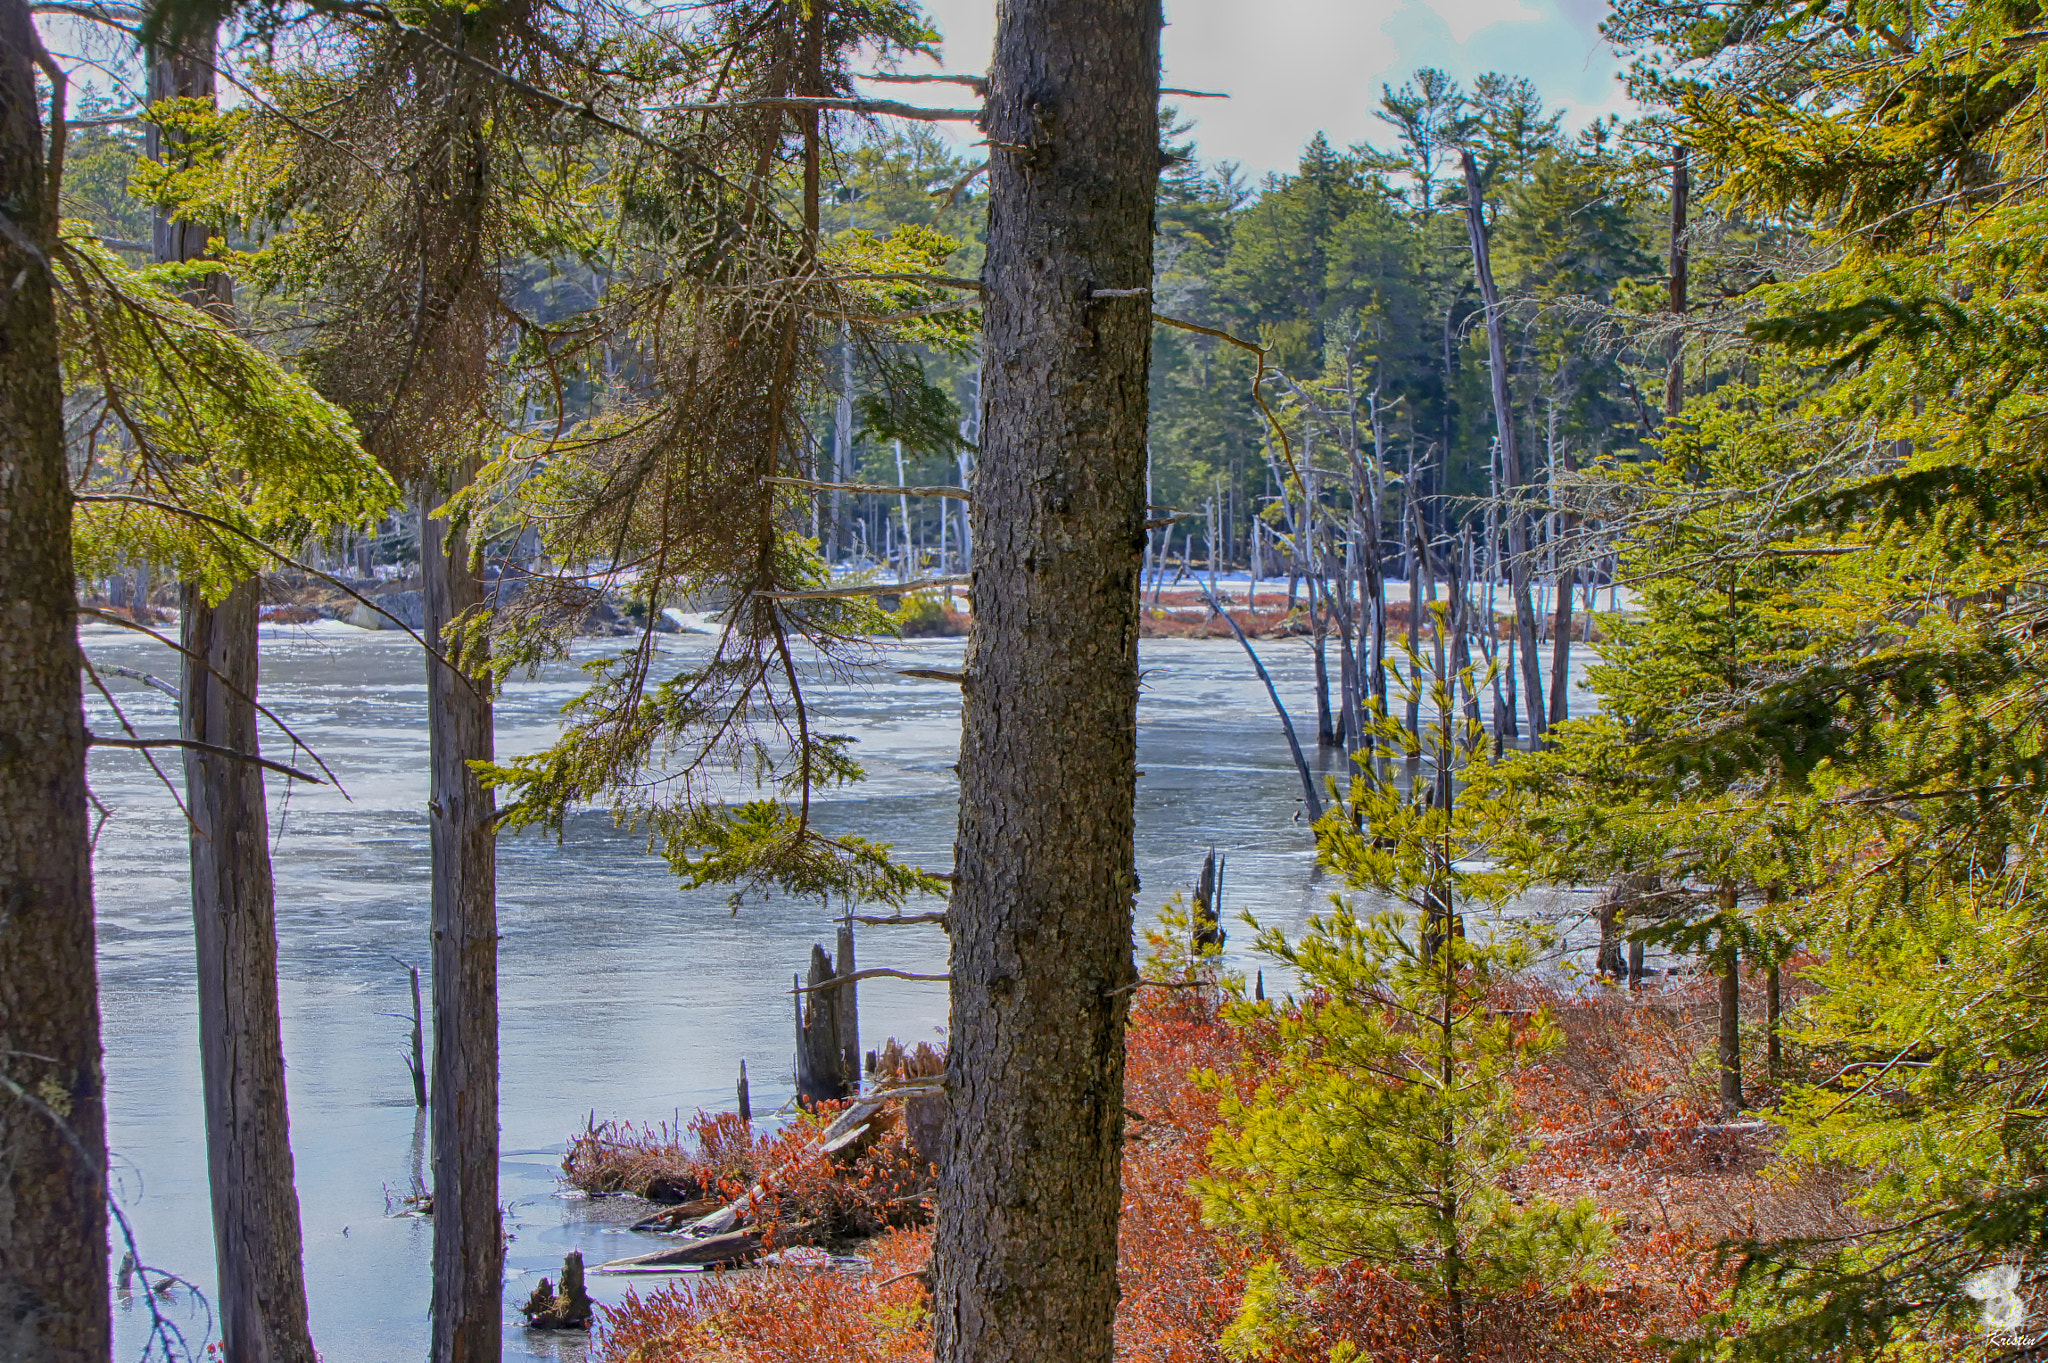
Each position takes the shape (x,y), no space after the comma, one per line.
(1296,67)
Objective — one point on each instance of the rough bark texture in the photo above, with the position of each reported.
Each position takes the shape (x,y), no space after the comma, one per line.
(846,1002)
(1511,458)
(469,1240)
(1025,1256)
(820,1060)
(1728,1039)
(53,1219)
(256,1239)
(261,1294)
(1561,621)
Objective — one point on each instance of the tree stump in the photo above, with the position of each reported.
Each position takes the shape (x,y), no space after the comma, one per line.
(820,1059)
(567,1309)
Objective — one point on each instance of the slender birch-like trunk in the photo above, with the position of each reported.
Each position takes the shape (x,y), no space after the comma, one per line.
(1511,459)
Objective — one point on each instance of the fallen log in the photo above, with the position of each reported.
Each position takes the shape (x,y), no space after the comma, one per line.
(729,1248)
(843,1131)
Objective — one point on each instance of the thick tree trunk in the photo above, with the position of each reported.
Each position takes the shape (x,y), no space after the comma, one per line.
(1026,1254)
(1511,458)
(53,1141)
(262,1293)
(469,1241)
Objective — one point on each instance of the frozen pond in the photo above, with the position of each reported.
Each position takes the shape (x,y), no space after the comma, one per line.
(621,996)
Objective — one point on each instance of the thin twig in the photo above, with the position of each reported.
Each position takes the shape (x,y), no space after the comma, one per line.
(869,588)
(957,493)
(875,973)
(261,709)
(143,744)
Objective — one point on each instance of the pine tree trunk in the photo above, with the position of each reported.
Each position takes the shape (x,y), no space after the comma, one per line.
(262,1291)
(261,1295)
(469,1242)
(1728,1042)
(53,1141)
(1026,1251)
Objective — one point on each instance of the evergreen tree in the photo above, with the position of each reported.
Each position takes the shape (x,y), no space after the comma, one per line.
(1382,1126)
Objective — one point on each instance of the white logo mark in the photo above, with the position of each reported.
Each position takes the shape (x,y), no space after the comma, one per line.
(1996,1290)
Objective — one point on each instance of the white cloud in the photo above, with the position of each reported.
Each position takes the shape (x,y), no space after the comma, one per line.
(1296,67)
(1465,18)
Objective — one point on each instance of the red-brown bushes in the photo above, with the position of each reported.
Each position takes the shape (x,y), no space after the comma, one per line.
(878,1184)
(717,1152)
(783,1316)
(1625,1062)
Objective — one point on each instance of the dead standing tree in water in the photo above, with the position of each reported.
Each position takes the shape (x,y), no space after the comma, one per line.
(400,170)
(1513,488)
(256,1228)
(820,1059)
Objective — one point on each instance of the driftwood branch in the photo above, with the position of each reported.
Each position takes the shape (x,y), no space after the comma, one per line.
(890,107)
(723,1221)
(901,919)
(872,973)
(1165,984)
(933,674)
(144,744)
(153,682)
(978,84)
(870,588)
(957,493)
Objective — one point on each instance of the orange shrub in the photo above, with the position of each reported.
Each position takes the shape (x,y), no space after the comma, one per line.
(1182,1283)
